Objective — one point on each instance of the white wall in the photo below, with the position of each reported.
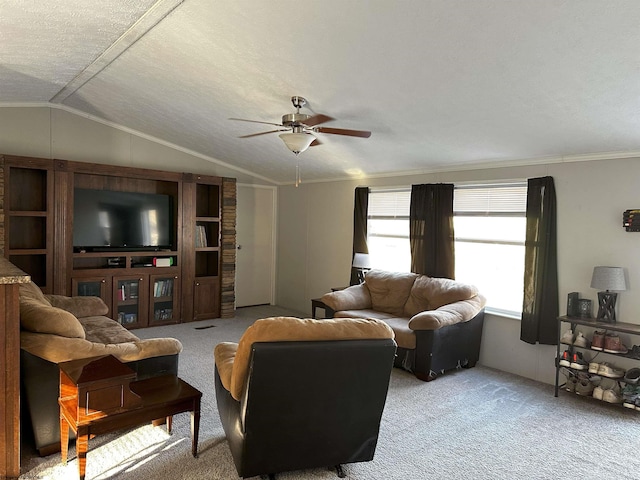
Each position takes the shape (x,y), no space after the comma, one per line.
(315,235)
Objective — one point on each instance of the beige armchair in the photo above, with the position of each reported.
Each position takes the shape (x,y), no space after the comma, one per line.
(437,321)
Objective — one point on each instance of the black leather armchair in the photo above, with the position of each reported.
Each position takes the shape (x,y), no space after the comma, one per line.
(305,404)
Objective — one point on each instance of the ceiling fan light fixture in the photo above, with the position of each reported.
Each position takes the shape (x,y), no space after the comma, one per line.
(297,142)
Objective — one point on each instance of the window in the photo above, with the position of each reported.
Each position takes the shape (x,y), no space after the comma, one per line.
(490,228)
(388,230)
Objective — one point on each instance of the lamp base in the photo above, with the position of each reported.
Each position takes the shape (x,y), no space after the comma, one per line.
(607,306)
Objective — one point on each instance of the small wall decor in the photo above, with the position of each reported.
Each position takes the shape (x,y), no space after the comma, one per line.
(631,220)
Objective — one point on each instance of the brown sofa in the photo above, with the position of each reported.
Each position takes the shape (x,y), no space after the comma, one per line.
(56,329)
(437,321)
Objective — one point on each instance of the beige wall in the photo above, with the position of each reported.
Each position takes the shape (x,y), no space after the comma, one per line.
(315,235)
(54,133)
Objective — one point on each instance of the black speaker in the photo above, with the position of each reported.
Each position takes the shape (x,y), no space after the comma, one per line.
(572,304)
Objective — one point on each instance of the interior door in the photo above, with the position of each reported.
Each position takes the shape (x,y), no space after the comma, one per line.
(255,238)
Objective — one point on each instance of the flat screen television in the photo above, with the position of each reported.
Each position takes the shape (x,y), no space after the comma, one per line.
(105,220)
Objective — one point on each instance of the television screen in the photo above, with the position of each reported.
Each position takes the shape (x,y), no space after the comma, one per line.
(104,219)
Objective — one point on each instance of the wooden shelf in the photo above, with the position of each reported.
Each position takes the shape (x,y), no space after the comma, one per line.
(631,328)
(39,238)
(27,251)
(27,213)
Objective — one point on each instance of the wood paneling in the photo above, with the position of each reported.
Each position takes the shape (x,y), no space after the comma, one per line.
(10,277)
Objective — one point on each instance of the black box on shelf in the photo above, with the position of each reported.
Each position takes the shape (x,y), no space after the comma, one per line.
(572,304)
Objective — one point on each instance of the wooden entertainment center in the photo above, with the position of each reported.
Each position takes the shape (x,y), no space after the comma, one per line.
(193,280)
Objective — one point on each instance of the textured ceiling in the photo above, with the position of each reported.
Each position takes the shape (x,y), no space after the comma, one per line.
(440,83)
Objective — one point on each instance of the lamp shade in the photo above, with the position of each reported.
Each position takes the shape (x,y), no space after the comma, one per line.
(361,260)
(297,142)
(608,278)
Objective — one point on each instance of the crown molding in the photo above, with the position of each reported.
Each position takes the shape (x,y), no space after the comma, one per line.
(484,165)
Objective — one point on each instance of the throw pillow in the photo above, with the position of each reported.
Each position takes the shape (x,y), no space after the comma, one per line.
(38,318)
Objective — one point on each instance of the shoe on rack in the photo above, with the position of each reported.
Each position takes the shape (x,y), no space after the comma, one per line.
(611,396)
(635,352)
(565,359)
(597,341)
(613,344)
(584,387)
(632,376)
(581,341)
(578,362)
(597,392)
(630,394)
(593,367)
(609,371)
(567,337)
(570,384)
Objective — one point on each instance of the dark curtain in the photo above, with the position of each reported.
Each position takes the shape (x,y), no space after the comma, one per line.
(540,303)
(360,209)
(431,230)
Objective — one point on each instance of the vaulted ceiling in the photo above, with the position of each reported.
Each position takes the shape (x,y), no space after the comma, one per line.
(441,84)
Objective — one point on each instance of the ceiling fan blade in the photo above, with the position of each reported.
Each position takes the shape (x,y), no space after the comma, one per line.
(315,143)
(257,121)
(342,131)
(262,133)
(317,120)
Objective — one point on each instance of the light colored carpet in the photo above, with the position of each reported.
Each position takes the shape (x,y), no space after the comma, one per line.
(468,424)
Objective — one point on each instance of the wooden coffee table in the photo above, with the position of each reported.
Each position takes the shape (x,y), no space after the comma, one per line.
(101,395)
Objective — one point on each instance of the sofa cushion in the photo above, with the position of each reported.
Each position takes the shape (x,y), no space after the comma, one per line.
(429,293)
(79,306)
(100,329)
(30,291)
(278,329)
(450,314)
(350,298)
(404,336)
(56,349)
(224,354)
(39,317)
(389,290)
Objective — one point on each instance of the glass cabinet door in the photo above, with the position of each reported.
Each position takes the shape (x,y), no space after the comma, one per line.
(164,295)
(91,287)
(129,295)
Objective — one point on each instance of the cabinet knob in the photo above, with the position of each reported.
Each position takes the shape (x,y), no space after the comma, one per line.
(103,280)
(197,284)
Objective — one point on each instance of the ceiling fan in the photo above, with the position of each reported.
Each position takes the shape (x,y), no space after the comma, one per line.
(301,128)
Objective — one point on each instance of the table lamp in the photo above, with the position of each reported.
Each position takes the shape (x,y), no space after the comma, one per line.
(361,264)
(607,279)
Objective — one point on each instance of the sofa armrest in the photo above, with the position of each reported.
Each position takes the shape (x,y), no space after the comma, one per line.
(356,297)
(225,354)
(449,314)
(79,306)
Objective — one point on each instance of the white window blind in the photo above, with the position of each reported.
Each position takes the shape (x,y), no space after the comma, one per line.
(491,200)
(490,229)
(389,204)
